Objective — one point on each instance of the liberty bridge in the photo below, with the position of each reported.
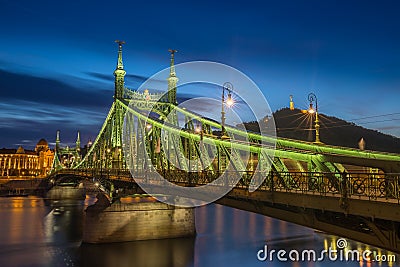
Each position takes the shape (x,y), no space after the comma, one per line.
(311,184)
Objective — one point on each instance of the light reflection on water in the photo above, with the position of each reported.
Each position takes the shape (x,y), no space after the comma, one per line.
(39,233)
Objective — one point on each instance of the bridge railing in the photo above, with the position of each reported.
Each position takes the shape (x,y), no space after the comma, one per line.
(97,173)
(366,186)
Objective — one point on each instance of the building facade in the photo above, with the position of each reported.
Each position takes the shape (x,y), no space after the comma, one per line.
(32,163)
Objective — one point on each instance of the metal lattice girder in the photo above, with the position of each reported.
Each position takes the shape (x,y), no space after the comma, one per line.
(341,155)
(204,156)
(333,176)
(176,149)
(265,162)
(96,148)
(279,167)
(333,167)
(292,154)
(56,164)
(298,151)
(104,150)
(118,119)
(131,147)
(234,158)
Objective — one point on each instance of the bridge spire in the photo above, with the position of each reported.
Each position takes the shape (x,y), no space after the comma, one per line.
(172,79)
(78,142)
(119,73)
(58,140)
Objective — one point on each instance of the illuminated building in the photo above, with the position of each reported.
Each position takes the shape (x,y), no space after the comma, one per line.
(21,162)
(291,103)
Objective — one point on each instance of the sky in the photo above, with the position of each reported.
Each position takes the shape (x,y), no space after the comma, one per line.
(57,57)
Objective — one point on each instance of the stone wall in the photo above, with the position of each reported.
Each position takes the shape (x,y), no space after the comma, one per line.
(66,192)
(136,221)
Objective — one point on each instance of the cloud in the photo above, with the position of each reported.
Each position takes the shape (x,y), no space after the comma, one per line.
(110,78)
(35,107)
(388,127)
(20,113)
(15,86)
(132,80)
(25,122)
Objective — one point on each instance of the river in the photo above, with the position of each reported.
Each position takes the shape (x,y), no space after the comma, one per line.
(35,232)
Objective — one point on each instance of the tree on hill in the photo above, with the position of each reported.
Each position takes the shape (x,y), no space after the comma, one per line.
(295,124)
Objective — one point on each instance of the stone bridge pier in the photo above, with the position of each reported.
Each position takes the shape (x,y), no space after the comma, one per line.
(143,220)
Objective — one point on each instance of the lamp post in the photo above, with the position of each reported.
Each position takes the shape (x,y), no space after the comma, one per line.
(199,130)
(119,158)
(312,97)
(229,102)
(108,158)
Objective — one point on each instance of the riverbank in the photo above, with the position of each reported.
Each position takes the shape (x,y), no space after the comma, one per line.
(22,186)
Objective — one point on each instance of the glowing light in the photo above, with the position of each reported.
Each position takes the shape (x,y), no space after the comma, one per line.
(230,102)
(311,109)
(148,126)
(198,130)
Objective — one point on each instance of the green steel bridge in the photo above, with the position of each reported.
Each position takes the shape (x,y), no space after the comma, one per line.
(344,191)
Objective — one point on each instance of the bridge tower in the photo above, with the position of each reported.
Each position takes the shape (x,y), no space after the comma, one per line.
(172,79)
(119,73)
(173,144)
(58,141)
(78,143)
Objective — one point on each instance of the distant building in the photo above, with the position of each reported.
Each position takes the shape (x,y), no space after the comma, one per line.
(291,103)
(21,162)
(361,144)
(67,157)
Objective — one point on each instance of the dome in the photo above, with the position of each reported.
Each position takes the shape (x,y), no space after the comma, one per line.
(42,142)
(20,150)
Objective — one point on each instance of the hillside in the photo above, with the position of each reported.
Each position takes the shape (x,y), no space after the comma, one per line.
(333,131)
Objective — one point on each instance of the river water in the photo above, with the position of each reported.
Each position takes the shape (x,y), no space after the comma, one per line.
(34,232)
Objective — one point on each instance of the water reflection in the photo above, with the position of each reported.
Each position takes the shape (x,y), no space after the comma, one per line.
(63,223)
(21,220)
(33,234)
(237,240)
(150,253)
(37,233)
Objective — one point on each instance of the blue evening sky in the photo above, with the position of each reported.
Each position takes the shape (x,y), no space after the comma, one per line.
(54,55)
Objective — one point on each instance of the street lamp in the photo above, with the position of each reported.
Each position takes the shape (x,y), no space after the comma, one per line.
(229,102)
(199,130)
(108,158)
(119,158)
(312,97)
